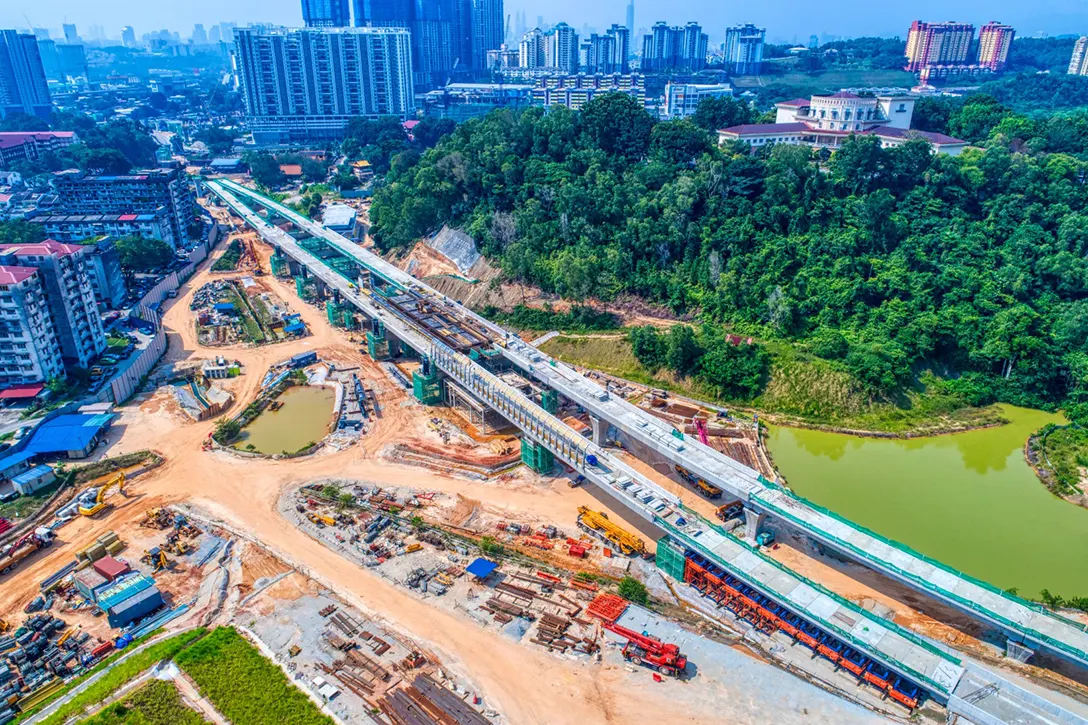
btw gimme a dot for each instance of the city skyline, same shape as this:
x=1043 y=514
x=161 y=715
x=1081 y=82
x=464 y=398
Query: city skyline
x=785 y=20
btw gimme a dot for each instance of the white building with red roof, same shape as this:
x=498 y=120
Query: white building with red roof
x=18 y=147
x=29 y=348
x=827 y=121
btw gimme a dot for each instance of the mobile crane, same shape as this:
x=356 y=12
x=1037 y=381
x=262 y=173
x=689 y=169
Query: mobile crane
x=647 y=651
x=598 y=524
x=94 y=500
x=10 y=557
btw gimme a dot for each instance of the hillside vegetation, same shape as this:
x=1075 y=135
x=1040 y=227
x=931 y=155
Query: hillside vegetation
x=883 y=262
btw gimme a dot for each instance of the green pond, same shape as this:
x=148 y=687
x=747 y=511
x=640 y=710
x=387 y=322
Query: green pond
x=304 y=418
x=968 y=500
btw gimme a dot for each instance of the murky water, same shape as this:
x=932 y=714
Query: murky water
x=969 y=500
x=304 y=418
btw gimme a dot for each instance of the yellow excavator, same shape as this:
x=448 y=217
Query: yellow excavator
x=94 y=500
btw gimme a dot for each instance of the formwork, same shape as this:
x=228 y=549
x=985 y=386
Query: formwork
x=536 y=456
x=427 y=387
x=670 y=558
x=377 y=346
x=549 y=401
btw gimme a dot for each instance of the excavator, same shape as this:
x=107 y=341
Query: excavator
x=94 y=500
x=647 y=651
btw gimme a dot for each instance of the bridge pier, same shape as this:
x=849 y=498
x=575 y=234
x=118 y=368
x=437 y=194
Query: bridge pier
x=1017 y=651
x=600 y=430
x=753 y=522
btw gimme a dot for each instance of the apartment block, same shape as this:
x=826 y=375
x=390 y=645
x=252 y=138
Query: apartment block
x=80 y=227
x=994 y=42
x=16 y=147
x=938 y=44
x=575 y=91
x=1078 y=64
x=103 y=265
x=682 y=99
x=744 y=49
x=23 y=87
x=29 y=349
x=145 y=192
x=62 y=269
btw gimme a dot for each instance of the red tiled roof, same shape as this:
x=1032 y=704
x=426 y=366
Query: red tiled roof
x=757 y=129
x=909 y=133
x=21 y=392
x=795 y=103
x=291 y=169
x=49 y=247
x=12 y=139
x=410 y=124
x=15 y=275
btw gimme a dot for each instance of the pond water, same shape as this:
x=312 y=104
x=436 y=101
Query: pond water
x=304 y=418
x=968 y=500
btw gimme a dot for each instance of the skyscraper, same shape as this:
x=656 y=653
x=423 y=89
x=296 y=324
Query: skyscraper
x=487 y=30
x=325 y=13
x=200 y=36
x=561 y=48
x=994 y=41
x=531 y=50
x=71 y=35
x=439 y=36
x=307 y=83
x=630 y=19
x=932 y=44
x=128 y=37
x=23 y=88
x=678 y=47
x=744 y=49
x=621 y=47
x=1078 y=64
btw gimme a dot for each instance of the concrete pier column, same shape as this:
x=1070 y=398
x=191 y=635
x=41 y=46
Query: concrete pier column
x=753 y=522
x=1017 y=651
x=600 y=430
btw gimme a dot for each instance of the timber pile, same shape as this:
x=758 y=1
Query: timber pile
x=425 y=702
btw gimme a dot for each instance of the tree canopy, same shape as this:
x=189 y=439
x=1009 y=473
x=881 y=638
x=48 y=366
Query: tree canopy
x=142 y=254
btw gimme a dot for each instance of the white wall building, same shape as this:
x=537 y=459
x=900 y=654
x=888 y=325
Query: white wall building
x=681 y=99
x=29 y=349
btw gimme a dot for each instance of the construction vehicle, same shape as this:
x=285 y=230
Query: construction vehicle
x=328 y=520
x=596 y=524
x=10 y=556
x=316 y=520
x=156 y=518
x=700 y=429
x=729 y=511
x=707 y=489
x=94 y=500
x=647 y=651
x=156 y=558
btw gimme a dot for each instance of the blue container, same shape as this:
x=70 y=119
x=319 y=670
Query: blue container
x=135 y=607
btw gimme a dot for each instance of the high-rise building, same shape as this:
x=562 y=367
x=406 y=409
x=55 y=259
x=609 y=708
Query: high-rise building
x=600 y=53
x=325 y=13
x=621 y=46
x=68 y=294
x=744 y=49
x=200 y=36
x=41 y=33
x=307 y=83
x=23 y=88
x=440 y=33
x=487 y=29
x=62 y=61
x=682 y=99
x=531 y=50
x=144 y=192
x=561 y=48
x=994 y=41
x=1078 y=64
x=630 y=20
x=29 y=349
x=938 y=44
x=128 y=37
x=214 y=35
x=678 y=47
x=71 y=35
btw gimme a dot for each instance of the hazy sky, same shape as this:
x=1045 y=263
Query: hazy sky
x=785 y=19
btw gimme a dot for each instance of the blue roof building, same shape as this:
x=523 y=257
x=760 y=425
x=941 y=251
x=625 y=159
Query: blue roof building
x=481 y=568
x=73 y=435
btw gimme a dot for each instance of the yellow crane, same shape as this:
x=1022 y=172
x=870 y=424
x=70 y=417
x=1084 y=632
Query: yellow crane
x=598 y=524
x=94 y=500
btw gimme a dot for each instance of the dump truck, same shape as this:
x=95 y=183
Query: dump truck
x=12 y=555
x=647 y=651
x=596 y=523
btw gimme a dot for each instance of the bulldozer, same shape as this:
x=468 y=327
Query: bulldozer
x=93 y=500
x=156 y=558
x=156 y=518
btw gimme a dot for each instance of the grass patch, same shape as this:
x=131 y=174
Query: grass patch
x=118 y=342
x=108 y=465
x=115 y=678
x=249 y=324
x=578 y=319
x=156 y=703
x=25 y=506
x=1064 y=452
x=228 y=262
x=245 y=686
x=801 y=387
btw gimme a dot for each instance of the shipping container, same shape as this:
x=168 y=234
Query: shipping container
x=135 y=607
x=122 y=589
x=88 y=582
x=111 y=568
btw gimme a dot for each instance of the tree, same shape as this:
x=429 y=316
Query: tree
x=678 y=142
x=430 y=130
x=647 y=346
x=633 y=590
x=682 y=351
x=110 y=162
x=226 y=430
x=265 y=169
x=142 y=254
x=219 y=140
x=735 y=371
x=19 y=122
x=18 y=231
x=617 y=124
x=717 y=112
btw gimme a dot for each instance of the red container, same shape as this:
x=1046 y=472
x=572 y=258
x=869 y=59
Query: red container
x=110 y=568
x=101 y=649
x=578 y=552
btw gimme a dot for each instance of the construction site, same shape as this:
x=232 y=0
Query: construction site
x=474 y=553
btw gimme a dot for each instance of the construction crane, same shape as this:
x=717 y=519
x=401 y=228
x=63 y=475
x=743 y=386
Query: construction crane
x=700 y=428
x=24 y=547
x=647 y=651
x=597 y=524
x=94 y=500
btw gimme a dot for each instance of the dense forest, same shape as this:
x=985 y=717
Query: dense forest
x=892 y=261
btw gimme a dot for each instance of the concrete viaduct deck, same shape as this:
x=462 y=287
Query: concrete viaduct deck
x=1027 y=625
x=933 y=668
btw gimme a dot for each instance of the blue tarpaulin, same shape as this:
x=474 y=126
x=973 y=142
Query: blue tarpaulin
x=481 y=568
